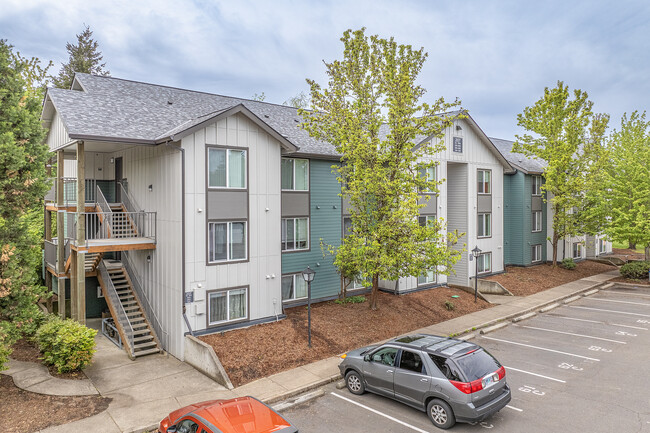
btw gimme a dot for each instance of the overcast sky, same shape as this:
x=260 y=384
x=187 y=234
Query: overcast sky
x=495 y=56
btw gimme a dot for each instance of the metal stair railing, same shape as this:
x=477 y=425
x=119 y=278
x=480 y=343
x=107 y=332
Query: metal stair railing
x=107 y=219
x=121 y=318
x=137 y=286
x=131 y=206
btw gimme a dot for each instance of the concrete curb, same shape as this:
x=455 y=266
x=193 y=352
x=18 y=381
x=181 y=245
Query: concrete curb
x=298 y=400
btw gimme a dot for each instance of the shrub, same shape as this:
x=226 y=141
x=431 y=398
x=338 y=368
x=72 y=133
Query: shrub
x=450 y=305
x=635 y=270
x=351 y=300
x=569 y=264
x=5 y=344
x=66 y=344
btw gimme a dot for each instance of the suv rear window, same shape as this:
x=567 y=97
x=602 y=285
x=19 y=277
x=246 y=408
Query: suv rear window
x=446 y=367
x=477 y=364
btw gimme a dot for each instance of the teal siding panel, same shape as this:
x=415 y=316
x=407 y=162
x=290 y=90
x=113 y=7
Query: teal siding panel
x=513 y=218
x=537 y=238
x=325 y=225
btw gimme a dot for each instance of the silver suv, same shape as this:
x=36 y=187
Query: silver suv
x=452 y=380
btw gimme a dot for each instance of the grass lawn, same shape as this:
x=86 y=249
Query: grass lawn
x=624 y=245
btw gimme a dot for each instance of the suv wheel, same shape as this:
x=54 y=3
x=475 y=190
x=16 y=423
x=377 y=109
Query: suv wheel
x=440 y=414
x=354 y=383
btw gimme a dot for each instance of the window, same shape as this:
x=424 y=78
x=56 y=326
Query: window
x=426 y=220
x=485 y=262
x=226 y=241
x=385 y=356
x=577 y=250
x=429 y=277
x=602 y=246
x=226 y=168
x=411 y=361
x=537 y=185
x=347 y=226
x=187 y=426
x=537 y=221
x=484 y=182
x=536 y=253
x=429 y=174
x=293 y=287
x=227 y=305
x=484 y=225
x=295 y=174
x=295 y=234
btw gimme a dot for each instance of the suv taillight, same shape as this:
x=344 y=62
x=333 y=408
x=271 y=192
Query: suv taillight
x=502 y=373
x=468 y=387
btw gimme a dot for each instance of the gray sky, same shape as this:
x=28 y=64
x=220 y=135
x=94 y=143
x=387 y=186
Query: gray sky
x=496 y=56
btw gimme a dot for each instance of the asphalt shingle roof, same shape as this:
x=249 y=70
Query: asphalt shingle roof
x=519 y=160
x=129 y=110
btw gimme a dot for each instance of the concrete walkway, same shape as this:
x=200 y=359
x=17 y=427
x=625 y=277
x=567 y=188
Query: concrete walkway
x=146 y=390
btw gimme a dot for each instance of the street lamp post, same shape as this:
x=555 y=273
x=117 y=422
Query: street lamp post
x=476 y=252
x=308 y=275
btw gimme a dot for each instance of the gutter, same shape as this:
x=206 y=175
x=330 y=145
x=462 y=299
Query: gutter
x=180 y=149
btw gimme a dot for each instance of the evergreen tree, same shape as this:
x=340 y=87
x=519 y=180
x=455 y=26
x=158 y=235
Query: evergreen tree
x=23 y=183
x=84 y=57
x=371 y=90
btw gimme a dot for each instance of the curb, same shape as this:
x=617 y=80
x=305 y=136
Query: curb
x=301 y=390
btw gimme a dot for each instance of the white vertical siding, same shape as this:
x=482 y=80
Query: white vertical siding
x=160 y=167
x=57 y=136
x=264 y=154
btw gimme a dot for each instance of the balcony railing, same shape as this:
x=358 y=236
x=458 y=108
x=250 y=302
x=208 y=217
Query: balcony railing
x=119 y=225
x=108 y=188
x=50 y=247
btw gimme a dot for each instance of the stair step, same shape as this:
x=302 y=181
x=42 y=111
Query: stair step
x=138 y=326
x=121 y=286
x=146 y=352
x=134 y=314
x=143 y=338
x=131 y=308
x=128 y=303
x=143 y=345
x=141 y=331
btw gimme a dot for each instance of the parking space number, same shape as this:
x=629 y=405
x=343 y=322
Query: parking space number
x=530 y=389
x=599 y=349
x=568 y=366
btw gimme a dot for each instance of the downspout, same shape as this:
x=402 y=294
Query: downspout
x=187 y=322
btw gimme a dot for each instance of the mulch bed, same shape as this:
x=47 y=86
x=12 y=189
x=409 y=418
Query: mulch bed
x=25 y=350
x=530 y=280
x=24 y=412
x=262 y=350
x=624 y=253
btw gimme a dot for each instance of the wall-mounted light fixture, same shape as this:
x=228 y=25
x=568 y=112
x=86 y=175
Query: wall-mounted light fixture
x=112 y=160
x=148 y=259
x=150 y=188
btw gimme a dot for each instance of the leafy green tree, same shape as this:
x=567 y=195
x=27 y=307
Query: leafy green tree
x=259 y=97
x=301 y=100
x=371 y=112
x=84 y=57
x=23 y=183
x=568 y=136
x=626 y=192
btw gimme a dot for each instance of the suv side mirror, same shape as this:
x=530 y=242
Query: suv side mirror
x=366 y=358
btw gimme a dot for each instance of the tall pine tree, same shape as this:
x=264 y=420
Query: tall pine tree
x=84 y=57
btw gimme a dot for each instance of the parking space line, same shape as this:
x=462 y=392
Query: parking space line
x=515 y=408
x=595 y=321
x=626 y=294
x=379 y=413
x=620 y=302
x=629 y=326
x=534 y=374
x=609 y=311
x=541 y=348
x=575 y=335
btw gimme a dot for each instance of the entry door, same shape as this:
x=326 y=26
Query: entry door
x=118 y=178
x=380 y=370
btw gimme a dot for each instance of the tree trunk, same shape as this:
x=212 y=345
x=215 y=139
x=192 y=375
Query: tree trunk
x=374 y=293
x=554 y=243
x=342 y=292
x=631 y=245
x=647 y=253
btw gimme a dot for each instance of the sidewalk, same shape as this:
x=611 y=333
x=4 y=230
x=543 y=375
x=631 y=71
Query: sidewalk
x=146 y=390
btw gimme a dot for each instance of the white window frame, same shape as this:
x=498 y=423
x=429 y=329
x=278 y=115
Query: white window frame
x=293 y=282
x=228 y=319
x=295 y=228
x=537 y=222
x=431 y=277
x=573 y=250
x=427 y=219
x=536 y=253
x=293 y=167
x=489 y=182
x=430 y=175
x=481 y=263
x=484 y=225
x=537 y=185
x=228 y=239
x=228 y=150
x=602 y=246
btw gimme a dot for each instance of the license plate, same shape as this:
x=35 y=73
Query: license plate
x=490 y=380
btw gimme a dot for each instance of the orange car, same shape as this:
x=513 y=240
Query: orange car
x=238 y=415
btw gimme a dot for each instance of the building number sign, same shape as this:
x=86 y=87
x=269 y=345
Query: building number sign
x=458 y=144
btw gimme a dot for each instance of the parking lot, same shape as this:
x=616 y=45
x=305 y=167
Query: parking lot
x=580 y=367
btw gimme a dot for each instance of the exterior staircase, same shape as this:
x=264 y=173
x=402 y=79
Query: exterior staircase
x=137 y=334
x=122 y=226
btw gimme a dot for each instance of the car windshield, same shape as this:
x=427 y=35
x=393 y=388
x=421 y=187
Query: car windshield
x=477 y=364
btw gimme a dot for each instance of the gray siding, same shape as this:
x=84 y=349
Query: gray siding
x=457 y=216
x=223 y=205
x=295 y=204
x=57 y=135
